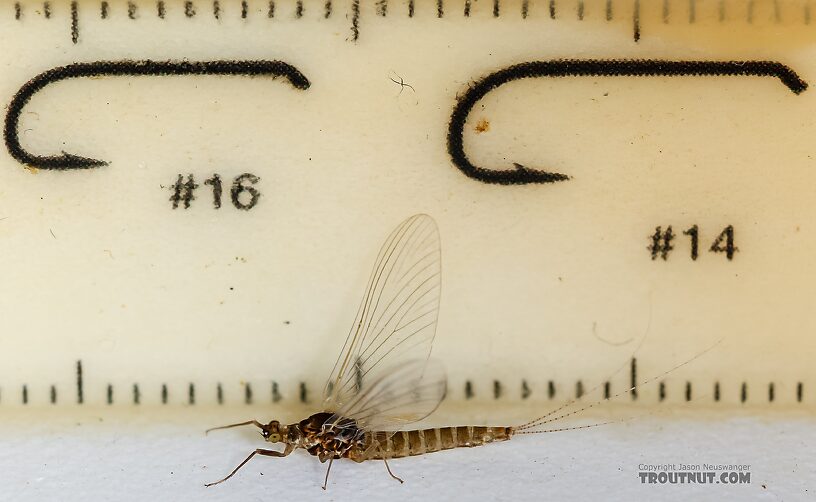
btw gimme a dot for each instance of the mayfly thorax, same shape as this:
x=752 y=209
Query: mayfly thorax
x=383 y=379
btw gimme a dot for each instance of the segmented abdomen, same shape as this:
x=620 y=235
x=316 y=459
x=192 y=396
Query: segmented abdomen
x=419 y=442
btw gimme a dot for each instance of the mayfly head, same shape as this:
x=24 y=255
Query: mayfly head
x=272 y=432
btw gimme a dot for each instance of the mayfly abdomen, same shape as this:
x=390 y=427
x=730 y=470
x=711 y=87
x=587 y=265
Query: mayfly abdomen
x=419 y=442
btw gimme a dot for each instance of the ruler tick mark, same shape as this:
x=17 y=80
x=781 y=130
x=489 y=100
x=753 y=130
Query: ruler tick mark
x=799 y=392
x=248 y=393
x=328 y=9
x=132 y=10
x=607 y=389
x=53 y=394
x=636 y=21
x=744 y=392
x=495 y=8
x=440 y=8
x=299 y=9
x=525 y=8
x=79 y=383
x=74 y=23
x=716 y=391
x=410 y=8
x=382 y=8
x=304 y=395
x=497 y=389
x=355 y=20
x=47 y=10
x=609 y=11
x=468 y=389
x=25 y=394
x=633 y=378
x=164 y=393
x=552 y=9
x=579 y=389
x=136 y=394
x=270 y=13
x=550 y=389
x=191 y=394
x=18 y=11
x=661 y=392
x=580 y=10
x=275 y=392
x=189 y=9
x=110 y=394
x=244 y=9
x=525 y=389
x=219 y=393
x=217 y=9
x=771 y=392
x=467 y=8
x=103 y=10
x=688 y=391
x=160 y=10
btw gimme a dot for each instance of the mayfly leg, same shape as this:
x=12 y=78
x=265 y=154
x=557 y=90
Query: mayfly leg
x=328 y=470
x=389 y=471
x=381 y=452
x=260 y=451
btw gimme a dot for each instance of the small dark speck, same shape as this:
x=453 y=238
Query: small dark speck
x=287 y=322
x=52 y=233
x=231 y=289
x=606 y=94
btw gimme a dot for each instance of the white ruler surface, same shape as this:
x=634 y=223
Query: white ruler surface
x=192 y=195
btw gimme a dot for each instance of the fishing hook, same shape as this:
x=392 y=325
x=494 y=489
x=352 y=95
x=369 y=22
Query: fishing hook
x=252 y=68
x=523 y=175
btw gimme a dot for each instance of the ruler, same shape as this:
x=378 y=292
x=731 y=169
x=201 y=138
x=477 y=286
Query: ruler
x=193 y=194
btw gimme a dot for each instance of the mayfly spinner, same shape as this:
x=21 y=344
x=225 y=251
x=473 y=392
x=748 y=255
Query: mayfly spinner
x=383 y=379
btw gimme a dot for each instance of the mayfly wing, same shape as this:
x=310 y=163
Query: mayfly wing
x=386 y=351
x=403 y=394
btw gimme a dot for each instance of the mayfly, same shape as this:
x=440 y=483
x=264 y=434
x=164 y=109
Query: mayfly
x=383 y=379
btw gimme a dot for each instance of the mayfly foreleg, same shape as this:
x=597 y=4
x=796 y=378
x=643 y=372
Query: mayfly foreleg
x=230 y=426
x=260 y=451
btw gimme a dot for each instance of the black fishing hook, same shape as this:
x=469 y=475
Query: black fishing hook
x=523 y=175
x=125 y=68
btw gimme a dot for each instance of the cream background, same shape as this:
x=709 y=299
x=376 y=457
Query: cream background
x=141 y=293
